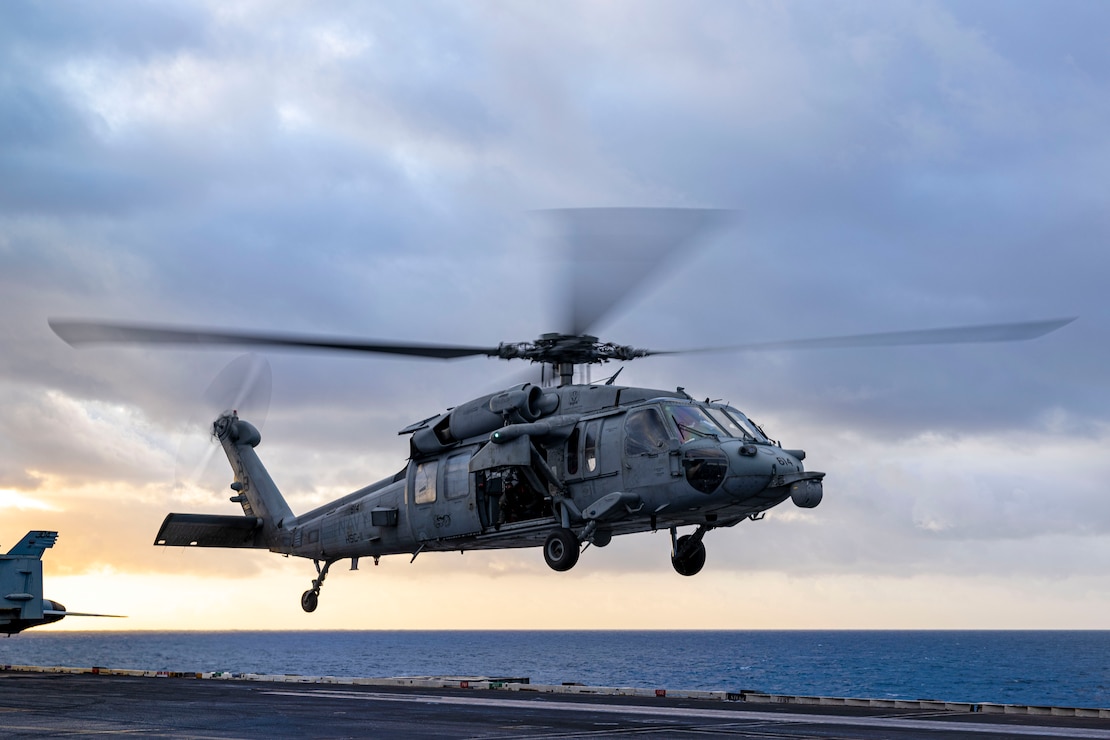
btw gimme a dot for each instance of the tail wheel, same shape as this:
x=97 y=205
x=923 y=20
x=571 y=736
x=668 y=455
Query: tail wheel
x=689 y=558
x=561 y=550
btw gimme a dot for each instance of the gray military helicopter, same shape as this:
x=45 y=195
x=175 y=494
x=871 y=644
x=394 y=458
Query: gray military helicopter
x=22 y=605
x=557 y=464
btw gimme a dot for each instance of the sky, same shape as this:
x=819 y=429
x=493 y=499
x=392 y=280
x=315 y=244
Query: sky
x=374 y=170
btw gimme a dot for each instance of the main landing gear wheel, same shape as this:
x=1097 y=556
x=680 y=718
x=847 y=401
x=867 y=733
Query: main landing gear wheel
x=310 y=599
x=689 y=557
x=561 y=550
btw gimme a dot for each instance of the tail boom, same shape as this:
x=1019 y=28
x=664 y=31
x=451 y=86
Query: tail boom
x=256 y=491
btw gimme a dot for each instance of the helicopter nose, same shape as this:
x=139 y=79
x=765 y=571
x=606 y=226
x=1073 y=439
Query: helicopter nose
x=742 y=470
x=753 y=468
x=766 y=474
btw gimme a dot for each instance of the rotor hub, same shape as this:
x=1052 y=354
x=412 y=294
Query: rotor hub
x=569 y=349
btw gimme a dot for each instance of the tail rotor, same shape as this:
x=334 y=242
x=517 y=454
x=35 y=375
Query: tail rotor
x=244 y=385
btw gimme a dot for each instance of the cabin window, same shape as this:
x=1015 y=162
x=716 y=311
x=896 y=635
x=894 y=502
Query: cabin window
x=424 y=483
x=644 y=432
x=572 y=452
x=589 y=450
x=456 y=476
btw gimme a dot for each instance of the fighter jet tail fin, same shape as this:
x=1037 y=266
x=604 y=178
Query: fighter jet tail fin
x=34 y=544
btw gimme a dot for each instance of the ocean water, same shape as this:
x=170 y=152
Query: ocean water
x=1069 y=668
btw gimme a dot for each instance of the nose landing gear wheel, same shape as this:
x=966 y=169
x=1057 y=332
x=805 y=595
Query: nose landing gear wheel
x=309 y=600
x=561 y=550
x=689 y=557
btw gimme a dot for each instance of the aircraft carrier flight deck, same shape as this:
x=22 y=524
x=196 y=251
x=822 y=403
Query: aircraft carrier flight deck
x=39 y=702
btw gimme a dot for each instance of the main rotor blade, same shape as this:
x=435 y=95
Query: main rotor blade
x=78 y=332
x=1012 y=332
x=612 y=251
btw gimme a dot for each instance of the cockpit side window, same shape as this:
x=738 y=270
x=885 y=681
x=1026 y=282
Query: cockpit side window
x=644 y=432
x=694 y=423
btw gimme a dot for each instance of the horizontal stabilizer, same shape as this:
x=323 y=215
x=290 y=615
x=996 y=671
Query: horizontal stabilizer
x=34 y=544
x=210 y=530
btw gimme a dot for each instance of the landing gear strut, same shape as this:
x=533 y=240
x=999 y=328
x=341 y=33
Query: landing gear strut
x=311 y=598
x=688 y=552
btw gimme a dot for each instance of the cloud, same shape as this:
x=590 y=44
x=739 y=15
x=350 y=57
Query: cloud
x=370 y=171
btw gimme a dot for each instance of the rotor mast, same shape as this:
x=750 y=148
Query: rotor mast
x=566 y=373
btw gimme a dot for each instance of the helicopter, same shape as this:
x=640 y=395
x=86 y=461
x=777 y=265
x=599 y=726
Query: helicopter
x=557 y=464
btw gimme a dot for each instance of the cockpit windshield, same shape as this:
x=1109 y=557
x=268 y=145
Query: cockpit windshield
x=736 y=424
x=694 y=423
